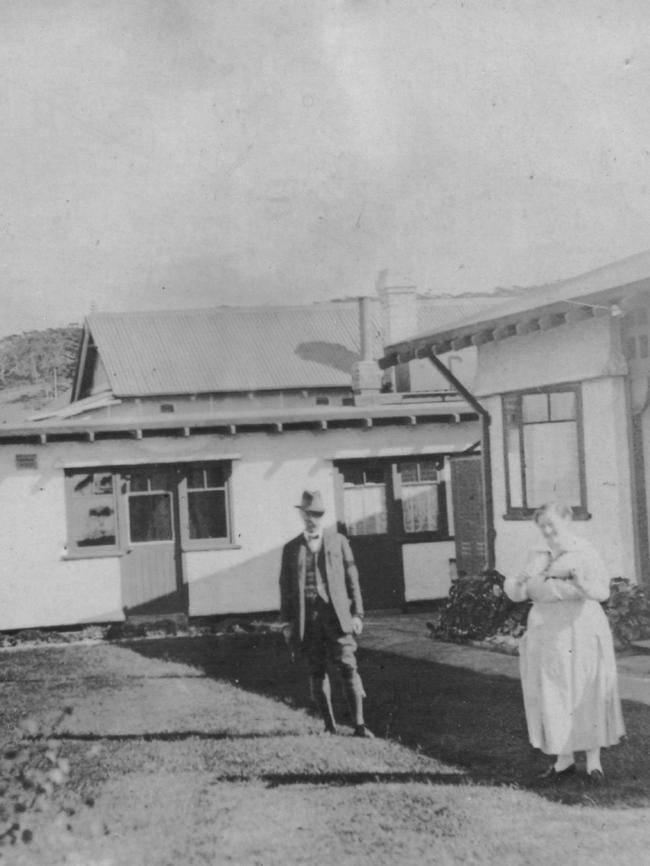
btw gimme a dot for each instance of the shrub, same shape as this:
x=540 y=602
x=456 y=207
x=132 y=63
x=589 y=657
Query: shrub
x=478 y=607
x=35 y=796
x=628 y=611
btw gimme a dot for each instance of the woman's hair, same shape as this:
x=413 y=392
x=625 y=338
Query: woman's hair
x=561 y=509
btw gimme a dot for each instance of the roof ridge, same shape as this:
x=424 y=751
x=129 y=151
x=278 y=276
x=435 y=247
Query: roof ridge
x=237 y=309
x=314 y=306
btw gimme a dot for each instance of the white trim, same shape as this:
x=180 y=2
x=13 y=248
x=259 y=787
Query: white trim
x=404 y=451
x=147 y=460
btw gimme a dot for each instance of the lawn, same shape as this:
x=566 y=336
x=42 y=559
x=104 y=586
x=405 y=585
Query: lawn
x=204 y=750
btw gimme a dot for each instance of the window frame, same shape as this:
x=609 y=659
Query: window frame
x=393 y=486
x=441 y=483
x=192 y=544
x=365 y=466
x=179 y=501
x=73 y=550
x=525 y=511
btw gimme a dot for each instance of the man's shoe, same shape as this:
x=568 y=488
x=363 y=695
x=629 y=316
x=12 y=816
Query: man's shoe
x=363 y=731
x=552 y=776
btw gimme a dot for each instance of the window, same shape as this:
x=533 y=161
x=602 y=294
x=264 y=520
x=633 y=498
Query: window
x=543 y=450
x=404 y=498
x=420 y=489
x=110 y=510
x=92 y=512
x=150 y=505
x=364 y=497
x=205 y=508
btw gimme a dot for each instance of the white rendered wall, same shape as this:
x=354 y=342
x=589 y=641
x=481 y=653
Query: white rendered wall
x=565 y=354
x=569 y=353
x=427 y=571
x=268 y=481
x=39 y=586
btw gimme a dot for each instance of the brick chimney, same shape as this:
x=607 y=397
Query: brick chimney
x=366 y=375
x=398 y=298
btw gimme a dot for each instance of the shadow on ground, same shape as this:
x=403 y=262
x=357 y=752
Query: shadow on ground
x=471 y=720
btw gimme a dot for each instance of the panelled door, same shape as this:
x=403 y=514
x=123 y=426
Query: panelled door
x=151 y=572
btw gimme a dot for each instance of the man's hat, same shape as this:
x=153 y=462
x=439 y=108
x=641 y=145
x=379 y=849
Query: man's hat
x=312 y=501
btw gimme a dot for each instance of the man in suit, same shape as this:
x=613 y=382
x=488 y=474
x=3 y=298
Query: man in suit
x=322 y=609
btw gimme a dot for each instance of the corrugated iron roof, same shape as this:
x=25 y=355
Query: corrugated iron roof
x=222 y=349
x=230 y=348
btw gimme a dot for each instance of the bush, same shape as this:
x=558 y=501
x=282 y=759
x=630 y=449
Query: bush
x=628 y=611
x=36 y=799
x=478 y=607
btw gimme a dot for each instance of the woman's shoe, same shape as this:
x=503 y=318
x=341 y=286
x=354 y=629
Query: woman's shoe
x=551 y=775
x=596 y=777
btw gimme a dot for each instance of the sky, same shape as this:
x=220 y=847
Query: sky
x=185 y=153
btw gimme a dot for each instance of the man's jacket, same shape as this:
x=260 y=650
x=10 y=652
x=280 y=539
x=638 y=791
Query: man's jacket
x=339 y=572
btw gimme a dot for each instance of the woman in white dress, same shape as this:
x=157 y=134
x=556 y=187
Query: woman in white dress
x=568 y=668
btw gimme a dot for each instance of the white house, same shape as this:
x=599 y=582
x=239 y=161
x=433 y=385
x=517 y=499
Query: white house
x=167 y=485
x=562 y=386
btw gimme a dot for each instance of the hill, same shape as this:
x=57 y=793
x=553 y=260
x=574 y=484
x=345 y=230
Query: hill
x=35 y=368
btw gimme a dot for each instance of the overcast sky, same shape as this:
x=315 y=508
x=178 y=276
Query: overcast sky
x=175 y=153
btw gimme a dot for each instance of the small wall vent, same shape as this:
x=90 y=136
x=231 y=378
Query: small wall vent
x=26 y=461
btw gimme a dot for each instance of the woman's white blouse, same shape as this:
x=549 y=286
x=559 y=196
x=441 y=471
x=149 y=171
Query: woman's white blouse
x=575 y=574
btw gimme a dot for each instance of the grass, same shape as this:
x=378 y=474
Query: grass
x=203 y=750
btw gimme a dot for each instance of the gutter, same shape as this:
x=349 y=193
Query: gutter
x=486 y=453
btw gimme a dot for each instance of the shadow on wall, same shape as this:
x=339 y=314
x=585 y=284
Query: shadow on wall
x=251 y=585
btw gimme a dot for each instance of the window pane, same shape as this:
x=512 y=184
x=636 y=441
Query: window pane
x=428 y=470
x=150 y=517
x=195 y=479
x=103 y=483
x=374 y=475
x=352 y=474
x=408 y=472
x=139 y=481
x=207 y=514
x=552 y=463
x=93 y=483
x=534 y=408
x=563 y=406
x=93 y=520
x=160 y=480
x=365 y=510
x=215 y=476
x=420 y=507
x=514 y=467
